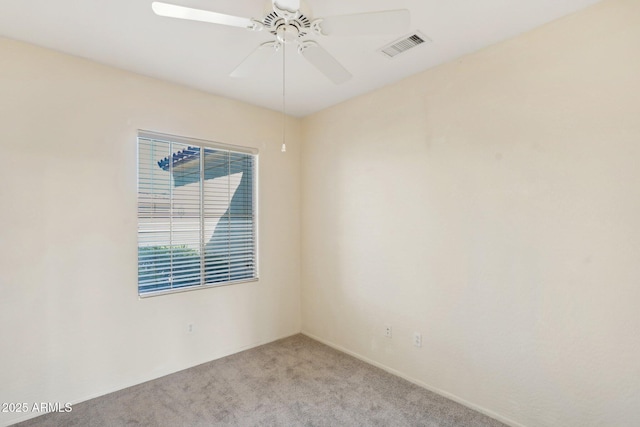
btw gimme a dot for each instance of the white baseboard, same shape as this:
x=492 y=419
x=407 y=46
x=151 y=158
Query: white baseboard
x=436 y=390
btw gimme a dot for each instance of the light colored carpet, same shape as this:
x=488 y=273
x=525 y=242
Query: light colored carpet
x=296 y=381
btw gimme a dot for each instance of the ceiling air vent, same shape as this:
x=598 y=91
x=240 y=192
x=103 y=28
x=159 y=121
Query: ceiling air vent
x=404 y=44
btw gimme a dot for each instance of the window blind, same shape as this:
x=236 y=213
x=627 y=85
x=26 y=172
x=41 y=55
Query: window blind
x=196 y=214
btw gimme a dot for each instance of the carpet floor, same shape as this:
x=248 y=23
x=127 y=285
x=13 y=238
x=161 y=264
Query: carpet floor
x=295 y=381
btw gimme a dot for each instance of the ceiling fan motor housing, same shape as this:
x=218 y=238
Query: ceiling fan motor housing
x=286 y=25
x=287 y=31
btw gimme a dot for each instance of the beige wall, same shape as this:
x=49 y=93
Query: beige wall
x=71 y=324
x=492 y=204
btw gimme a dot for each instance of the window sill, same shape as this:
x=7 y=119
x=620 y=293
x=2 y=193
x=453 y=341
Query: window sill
x=195 y=288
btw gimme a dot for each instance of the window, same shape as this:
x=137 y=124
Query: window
x=196 y=214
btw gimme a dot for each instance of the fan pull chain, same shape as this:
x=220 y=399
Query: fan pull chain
x=284 y=103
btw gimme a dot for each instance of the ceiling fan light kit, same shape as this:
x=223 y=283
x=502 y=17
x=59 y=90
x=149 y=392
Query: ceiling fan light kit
x=287 y=21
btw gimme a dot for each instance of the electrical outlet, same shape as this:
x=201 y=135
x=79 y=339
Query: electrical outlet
x=417 y=339
x=190 y=328
x=387 y=331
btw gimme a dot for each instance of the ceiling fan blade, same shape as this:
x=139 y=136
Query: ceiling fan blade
x=325 y=62
x=288 y=5
x=372 y=23
x=182 y=12
x=254 y=60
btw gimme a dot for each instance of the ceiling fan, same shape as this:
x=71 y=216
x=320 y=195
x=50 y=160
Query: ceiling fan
x=288 y=22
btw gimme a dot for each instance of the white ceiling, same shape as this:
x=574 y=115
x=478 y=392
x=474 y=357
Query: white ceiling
x=128 y=35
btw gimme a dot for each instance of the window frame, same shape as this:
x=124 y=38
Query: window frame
x=205 y=144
